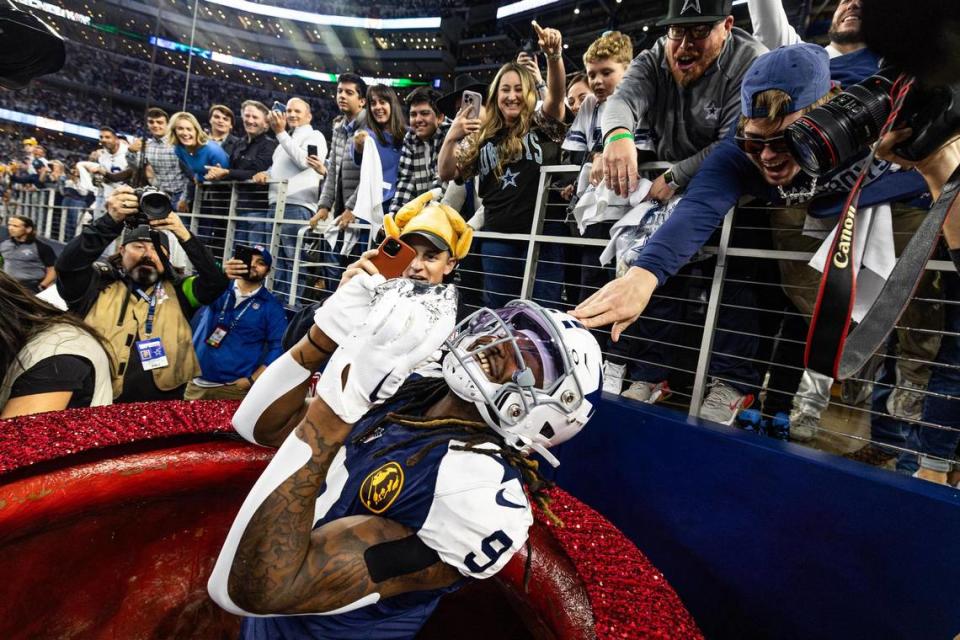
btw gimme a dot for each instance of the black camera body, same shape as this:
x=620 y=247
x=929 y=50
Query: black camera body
x=154 y=204
x=832 y=135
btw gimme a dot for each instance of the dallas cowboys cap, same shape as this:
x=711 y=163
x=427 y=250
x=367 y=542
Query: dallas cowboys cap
x=695 y=12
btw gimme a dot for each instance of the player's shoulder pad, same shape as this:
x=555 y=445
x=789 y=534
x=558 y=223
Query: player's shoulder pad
x=479 y=516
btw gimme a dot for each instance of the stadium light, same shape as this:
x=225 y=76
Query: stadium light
x=334 y=21
x=267 y=67
x=514 y=8
x=48 y=123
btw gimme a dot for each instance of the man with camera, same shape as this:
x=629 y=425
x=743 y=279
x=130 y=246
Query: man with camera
x=240 y=333
x=135 y=299
x=758 y=162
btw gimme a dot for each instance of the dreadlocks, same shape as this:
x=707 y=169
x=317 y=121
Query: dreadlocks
x=414 y=398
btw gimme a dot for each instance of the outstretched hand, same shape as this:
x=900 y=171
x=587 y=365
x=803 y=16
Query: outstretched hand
x=619 y=302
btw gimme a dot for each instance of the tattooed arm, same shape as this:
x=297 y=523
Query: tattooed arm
x=283 y=566
x=288 y=410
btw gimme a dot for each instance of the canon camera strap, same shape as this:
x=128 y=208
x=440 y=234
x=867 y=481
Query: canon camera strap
x=829 y=350
x=868 y=336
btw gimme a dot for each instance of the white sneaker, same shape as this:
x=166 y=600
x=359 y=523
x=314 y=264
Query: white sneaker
x=724 y=402
x=649 y=392
x=803 y=425
x=613 y=374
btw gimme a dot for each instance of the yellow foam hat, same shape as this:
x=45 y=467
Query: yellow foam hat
x=30 y=141
x=435 y=221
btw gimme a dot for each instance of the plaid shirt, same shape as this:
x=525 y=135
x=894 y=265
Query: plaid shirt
x=417 y=171
x=166 y=166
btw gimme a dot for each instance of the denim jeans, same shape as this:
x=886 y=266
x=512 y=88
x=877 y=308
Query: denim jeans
x=283 y=267
x=74 y=207
x=944 y=381
x=652 y=347
x=503 y=264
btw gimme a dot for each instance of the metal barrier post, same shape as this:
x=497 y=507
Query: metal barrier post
x=710 y=321
x=278 y=214
x=533 y=247
x=195 y=212
x=51 y=200
x=231 y=223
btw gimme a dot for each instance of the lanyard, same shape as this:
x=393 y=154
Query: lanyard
x=233 y=323
x=151 y=309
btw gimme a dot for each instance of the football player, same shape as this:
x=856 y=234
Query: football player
x=369 y=512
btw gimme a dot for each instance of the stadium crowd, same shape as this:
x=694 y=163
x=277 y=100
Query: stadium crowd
x=708 y=98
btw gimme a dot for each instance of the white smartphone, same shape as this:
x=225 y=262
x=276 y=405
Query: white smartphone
x=474 y=101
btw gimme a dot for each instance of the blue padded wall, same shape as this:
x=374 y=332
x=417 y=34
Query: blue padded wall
x=764 y=539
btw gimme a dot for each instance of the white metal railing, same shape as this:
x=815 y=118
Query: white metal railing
x=224 y=212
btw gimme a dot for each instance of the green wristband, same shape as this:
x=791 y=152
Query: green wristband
x=618 y=136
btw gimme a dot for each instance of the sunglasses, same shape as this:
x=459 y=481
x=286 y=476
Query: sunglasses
x=754 y=146
x=692 y=32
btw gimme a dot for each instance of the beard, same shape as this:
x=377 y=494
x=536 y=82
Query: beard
x=687 y=77
x=144 y=274
x=255 y=278
x=844 y=37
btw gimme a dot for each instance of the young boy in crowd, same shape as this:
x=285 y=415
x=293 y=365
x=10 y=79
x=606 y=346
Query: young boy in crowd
x=606 y=60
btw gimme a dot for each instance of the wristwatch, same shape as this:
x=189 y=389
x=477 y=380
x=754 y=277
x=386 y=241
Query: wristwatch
x=668 y=178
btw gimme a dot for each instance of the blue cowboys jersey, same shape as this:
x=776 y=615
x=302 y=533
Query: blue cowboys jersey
x=468 y=507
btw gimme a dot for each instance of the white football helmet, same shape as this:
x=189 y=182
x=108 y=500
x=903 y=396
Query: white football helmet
x=555 y=387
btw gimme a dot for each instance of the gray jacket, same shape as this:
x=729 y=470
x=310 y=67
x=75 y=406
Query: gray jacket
x=686 y=122
x=343 y=174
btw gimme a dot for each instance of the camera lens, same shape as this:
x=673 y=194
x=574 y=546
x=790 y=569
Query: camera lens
x=391 y=247
x=155 y=204
x=831 y=135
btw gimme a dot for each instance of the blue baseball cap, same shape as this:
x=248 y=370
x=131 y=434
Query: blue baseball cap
x=264 y=253
x=802 y=71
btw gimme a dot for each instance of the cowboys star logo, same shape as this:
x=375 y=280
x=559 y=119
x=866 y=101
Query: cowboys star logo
x=712 y=111
x=690 y=4
x=381 y=488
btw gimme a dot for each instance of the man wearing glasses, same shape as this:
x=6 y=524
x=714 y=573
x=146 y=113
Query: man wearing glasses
x=686 y=87
x=779 y=88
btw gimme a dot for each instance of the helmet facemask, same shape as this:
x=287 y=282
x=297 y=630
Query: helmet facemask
x=542 y=396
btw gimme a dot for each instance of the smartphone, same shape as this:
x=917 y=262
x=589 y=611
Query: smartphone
x=312 y=150
x=244 y=254
x=474 y=101
x=279 y=106
x=393 y=257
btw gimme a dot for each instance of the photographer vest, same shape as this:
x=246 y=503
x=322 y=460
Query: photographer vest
x=122 y=326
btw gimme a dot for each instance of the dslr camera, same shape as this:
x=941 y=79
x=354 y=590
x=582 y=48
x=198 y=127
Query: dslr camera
x=154 y=204
x=837 y=132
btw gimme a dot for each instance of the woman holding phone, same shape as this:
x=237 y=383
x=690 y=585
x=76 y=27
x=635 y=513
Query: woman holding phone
x=506 y=148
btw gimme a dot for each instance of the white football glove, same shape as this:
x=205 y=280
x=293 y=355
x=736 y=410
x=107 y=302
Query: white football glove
x=405 y=323
x=346 y=309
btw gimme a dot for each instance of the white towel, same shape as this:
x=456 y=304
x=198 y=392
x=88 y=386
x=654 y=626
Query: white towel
x=633 y=231
x=874 y=255
x=332 y=233
x=600 y=204
x=369 y=205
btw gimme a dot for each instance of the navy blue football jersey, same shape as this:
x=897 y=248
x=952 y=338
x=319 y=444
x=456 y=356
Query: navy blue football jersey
x=468 y=507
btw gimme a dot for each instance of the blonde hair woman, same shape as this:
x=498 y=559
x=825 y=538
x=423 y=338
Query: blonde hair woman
x=194 y=147
x=505 y=150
